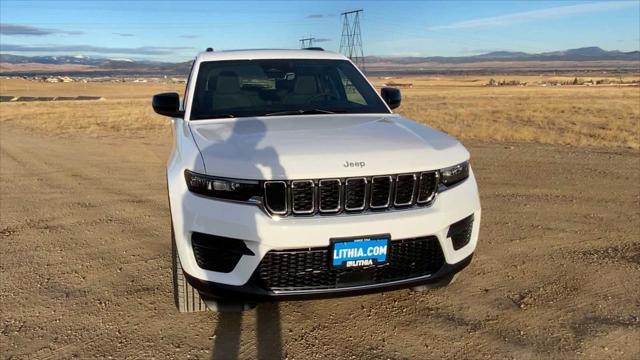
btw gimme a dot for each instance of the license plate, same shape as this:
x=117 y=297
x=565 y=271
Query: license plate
x=359 y=251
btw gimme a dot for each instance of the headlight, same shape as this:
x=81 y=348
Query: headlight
x=222 y=188
x=454 y=174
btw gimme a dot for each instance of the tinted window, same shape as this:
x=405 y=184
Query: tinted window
x=263 y=87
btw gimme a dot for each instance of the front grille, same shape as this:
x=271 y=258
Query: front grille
x=308 y=269
x=352 y=195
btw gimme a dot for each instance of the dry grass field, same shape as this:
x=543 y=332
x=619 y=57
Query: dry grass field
x=464 y=107
x=85 y=235
x=569 y=115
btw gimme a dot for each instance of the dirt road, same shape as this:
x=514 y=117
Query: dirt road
x=85 y=267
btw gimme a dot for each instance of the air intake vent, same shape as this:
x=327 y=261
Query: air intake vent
x=380 y=192
x=460 y=232
x=307 y=269
x=217 y=253
x=428 y=187
x=275 y=193
x=355 y=194
x=330 y=195
x=405 y=188
x=302 y=197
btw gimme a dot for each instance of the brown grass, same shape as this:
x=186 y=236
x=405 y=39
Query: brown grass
x=462 y=106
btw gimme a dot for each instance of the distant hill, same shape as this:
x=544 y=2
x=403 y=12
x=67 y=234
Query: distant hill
x=581 y=54
x=51 y=60
x=97 y=66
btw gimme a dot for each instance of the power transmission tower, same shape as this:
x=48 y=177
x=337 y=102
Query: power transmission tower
x=306 y=42
x=351 y=40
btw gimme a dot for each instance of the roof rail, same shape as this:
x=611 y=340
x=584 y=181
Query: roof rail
x=314 y=48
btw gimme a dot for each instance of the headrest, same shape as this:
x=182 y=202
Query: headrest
x=305 y=84
x=228 y=82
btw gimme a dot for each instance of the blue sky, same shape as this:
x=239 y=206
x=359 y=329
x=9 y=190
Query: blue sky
x=175 y=31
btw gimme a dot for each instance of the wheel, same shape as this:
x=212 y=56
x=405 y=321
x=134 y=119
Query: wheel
x=186 y=298
x=446 y=281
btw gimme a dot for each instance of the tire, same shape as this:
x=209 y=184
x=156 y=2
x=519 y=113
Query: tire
x=186 y=298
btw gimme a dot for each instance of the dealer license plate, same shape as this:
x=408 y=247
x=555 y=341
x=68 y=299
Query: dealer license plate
x=360 y=251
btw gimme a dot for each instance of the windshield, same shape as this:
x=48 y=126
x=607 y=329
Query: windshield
x=241 y=88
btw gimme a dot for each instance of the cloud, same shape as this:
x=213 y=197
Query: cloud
x=13 y=29
x=320 y=16
x=145 y=50
x=124 y=34
x=542 y=14
x=189 y=36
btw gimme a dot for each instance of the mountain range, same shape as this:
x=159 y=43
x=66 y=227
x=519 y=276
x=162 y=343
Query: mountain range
x=592 y=53
x=17 y=64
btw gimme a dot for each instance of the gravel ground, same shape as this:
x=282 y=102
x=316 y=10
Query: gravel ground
x=85 y=265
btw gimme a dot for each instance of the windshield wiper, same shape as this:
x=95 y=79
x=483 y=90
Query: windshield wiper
x=300 y=112
x=223 y=116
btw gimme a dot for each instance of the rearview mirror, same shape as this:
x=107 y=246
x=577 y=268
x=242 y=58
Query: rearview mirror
x=167 y=104
x=391 y=96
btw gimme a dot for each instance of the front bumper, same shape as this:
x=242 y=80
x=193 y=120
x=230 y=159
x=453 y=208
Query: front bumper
x=262 y=233
x=250 y=292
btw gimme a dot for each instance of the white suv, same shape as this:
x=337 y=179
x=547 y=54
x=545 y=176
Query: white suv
x=291 y=178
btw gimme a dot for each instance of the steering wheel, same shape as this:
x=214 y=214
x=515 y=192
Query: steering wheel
x=329 y=96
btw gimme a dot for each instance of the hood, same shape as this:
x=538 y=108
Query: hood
x=322 y=146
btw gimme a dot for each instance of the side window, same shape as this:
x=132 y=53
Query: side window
x=353 y=95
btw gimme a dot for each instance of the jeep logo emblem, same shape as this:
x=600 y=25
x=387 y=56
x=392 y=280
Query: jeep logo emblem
x=359 y=164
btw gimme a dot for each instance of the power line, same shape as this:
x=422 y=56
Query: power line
x=307 y=42
x=351 y=40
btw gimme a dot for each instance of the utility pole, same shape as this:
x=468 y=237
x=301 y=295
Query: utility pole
x=351 y=40
x=306 y=42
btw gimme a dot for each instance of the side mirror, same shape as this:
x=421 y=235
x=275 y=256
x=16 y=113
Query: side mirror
x=167 y=104
x=391 y=96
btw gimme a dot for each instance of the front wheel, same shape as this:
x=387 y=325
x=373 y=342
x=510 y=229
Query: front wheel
x=186 y=298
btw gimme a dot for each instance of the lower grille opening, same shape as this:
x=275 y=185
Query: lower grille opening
x=217 y=253
x=307 y=269
x=460 y=232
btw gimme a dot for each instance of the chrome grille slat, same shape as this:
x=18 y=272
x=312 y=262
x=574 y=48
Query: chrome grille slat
x=351 y=195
